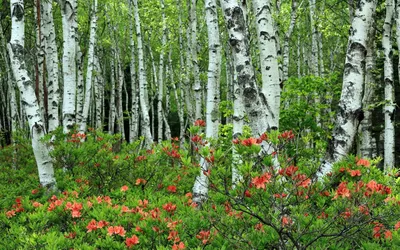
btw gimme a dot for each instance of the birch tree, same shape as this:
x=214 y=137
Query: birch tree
x=69 y=25
x=389 y=88
x=254 y=103
x=52 y=62
x=200 y=188
x=350 y=104
x=25 y=84
x=160 y=85
x=90 y=66
x=144 y=107
x=196 y=72
x=268 y=58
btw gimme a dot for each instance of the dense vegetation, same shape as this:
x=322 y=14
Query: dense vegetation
x=114 y=195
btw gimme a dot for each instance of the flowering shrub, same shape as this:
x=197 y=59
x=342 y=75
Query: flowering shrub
x=135 y=198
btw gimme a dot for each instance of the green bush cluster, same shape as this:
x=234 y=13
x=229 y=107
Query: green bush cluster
x=114 y=195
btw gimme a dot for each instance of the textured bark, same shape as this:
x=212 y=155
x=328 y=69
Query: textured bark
x=268 y=58
x=134 y=120
x=90 y=67
x=255 y=104
x=389 y=107
x=69 y=23
x=144 y=107
x=30 y=104
x=366 y=145
x=112 y=110
x=350 y=105
x=288 y=34
x=200 y=188
x=197 y=88
x=80 y=85
x=160 y=85
x=187 y=68
x=98 y=93
x=52 y=63
x=314 y=40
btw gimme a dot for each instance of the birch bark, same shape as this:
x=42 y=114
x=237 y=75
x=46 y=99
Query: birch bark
x=16 y=52
x=69 y=24
x=268 y=58
x=350 y=104
x=200 y=188
x=89 y=70
x=389 y=107
x=144 y=107
x=52 y=63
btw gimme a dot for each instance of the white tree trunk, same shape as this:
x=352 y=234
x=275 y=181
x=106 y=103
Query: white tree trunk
x=25 y=85
x=350 y=105
x=144 y=107
x=196 y=73
x=112 y=111
x=200 y=188
x=52 y=63
x=366 y=144
x=80 y=85
x=288 y=34
x=314 y=40
x=160 y=85
x=120 y=77
x=389 y=107
x=255 y=105
x=69 y=23
x=98 y=92
x=89 y=70
x=134 y=120
x=268 y=58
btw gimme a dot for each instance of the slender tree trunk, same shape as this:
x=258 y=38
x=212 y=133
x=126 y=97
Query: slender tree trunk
x=98 y=93
x=144 y=107
x=134 y=121
x=196 y=73
x=269 y=62
x=389 y=107
x=314 y=40
x=350 y=104
x=52 y=63
x=200 y=188
x=80 y=86
x=366 y=145
x=112 y=111
x=69 y=23
x=160 y=85
x=17 y=54
x=90 y=66
x=288 y=34
x=254 y=102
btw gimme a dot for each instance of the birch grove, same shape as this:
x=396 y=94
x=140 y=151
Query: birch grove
x=25 y=84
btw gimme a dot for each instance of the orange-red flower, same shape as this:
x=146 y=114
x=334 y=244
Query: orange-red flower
x=171 y=189
x=140 y=181
x=181 y=245
x=169 y=207
x=200 y=123
x=134 y=240
x=363 y=162
x=124 y=188
x=259 y=181
x=342 y=191
x=204 y=236
x=116 y=230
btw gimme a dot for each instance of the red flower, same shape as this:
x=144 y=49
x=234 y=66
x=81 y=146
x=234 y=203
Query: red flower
x=388 y=234
x=34 y=191
x=91 y=226
x=259 y=182
x=173 y=235
x=250 y=141
x=10 y=213
x=304 y=183
x=124 y=188
x=116 y=230
x=397 y=226
x=259 y=227
x=181 y=245
x=169 y=207
x=363 y=162
x=355 y=172
x=171 y=189
x=342 y=191
x=204 y=236
x=140 y=181
x=200 y=123
x=289 y=171
x=134 y=240
x=286 y=221
x=247 y=193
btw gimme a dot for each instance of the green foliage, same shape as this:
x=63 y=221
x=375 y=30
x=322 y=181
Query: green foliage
x=112 y=192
